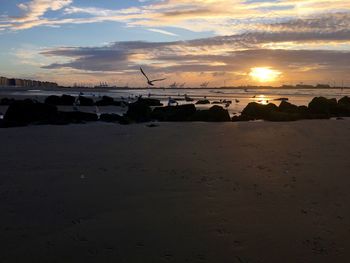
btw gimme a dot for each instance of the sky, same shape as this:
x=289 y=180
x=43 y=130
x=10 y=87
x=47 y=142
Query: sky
x=223 y=42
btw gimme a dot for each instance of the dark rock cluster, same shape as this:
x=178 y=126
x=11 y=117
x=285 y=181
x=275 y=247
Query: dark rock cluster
x=25 y=112
x=318 y=108
x=174 y=113
x=66 y=100
x=109 y=101
x=141 y=111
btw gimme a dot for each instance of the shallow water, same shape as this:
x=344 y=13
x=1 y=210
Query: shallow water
x=239 y=97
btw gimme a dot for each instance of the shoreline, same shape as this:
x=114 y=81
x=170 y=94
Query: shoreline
x=66 y=109
x=239 y=98
x=168 y=88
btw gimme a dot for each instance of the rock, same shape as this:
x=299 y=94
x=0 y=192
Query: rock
x=255 y=111
x=108 y=101
x=150 y=102
x=139 y=111
x=344 y=101
x=285 y=112
x=241 y=118
x=321 y=105
x=303 y=109
x=22 y=113
x=105 y=101
x=344 y=107
x=270 y=112
x=281 y=99
x=6 y=101
x=110 y=117
x=214 y=114
x=67 y=100
x=203 y=102
x=321 y=108
x=295 y=112
x=76 y=117
x=84 y=101
x=287 y=107
x=174 y=113
x=64 y=100
x=53 y=100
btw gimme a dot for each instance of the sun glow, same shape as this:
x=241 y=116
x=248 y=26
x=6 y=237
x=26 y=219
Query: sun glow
x=264 y=74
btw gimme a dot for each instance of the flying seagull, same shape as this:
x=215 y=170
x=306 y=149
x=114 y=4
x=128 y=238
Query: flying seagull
x=150 y=82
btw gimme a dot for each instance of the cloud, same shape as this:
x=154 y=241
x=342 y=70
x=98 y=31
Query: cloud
x=35 y=9
x=307 y=36
x=164 y=32
x=33 y=13
x=220 y=16
x=315 y=66
x=217 y=56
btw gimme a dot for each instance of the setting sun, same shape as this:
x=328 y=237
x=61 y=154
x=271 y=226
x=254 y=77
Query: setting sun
x=264 y=74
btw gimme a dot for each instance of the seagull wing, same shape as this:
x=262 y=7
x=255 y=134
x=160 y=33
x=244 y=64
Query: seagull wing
x=158 y=80
x=143 y=73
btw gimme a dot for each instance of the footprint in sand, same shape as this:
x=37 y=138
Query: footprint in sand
x=242 y=260
x=221 y=231
x=76 y=221
x=92 y=251
x=108 y=248
x=168 y=256
x=81 y=238
x=238 y=245
x=201 y=257
x=140 y=244
x=320 y=246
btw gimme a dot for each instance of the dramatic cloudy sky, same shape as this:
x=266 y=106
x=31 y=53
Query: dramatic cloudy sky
x=190 y=41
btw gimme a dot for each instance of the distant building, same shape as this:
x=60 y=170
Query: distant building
x=304 y=86
x=287 y=86
x=323 y=86
x=12 y=82
x=5 y=82
x=19 y=82
x=27 y=83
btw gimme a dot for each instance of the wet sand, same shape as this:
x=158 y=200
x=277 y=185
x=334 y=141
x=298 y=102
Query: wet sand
x=180 y=192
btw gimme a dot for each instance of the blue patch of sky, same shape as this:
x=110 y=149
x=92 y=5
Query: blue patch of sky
x=108 y=4
x=94 y=34
x=10 y=8
x=90 y=34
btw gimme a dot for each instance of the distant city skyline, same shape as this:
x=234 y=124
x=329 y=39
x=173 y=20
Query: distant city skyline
x=223 y=42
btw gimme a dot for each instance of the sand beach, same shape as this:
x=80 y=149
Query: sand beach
x=180 y=192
